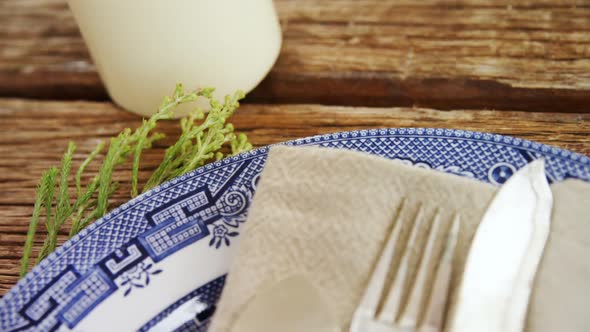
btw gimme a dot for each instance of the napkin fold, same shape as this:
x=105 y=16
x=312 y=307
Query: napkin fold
x=324 y=214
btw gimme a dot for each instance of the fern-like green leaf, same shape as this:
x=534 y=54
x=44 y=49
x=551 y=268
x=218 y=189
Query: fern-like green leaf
x=203 y=136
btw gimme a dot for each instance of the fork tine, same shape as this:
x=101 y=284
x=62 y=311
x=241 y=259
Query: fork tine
x=372 y=296
x=411 y=312
x=435 y=308
x=394 y=297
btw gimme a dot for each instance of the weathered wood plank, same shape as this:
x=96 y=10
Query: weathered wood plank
x=34 y=134
x=445 y=54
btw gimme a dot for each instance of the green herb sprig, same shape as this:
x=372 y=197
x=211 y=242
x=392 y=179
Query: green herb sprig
x=200 y=142
x=203 y=135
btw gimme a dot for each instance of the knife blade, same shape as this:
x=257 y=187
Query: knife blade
x=504 y=255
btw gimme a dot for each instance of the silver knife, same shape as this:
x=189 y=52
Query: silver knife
x=505 y=254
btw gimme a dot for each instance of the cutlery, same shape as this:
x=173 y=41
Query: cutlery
x=505 y=254
x=394 y=316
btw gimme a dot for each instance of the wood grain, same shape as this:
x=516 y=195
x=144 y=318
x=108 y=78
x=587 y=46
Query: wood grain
x=447 y=54
x=34 y=134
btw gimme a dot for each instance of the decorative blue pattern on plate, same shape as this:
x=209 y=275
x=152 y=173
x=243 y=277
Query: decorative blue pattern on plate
x=135 y=250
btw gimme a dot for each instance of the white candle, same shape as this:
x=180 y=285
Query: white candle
x=142 y=48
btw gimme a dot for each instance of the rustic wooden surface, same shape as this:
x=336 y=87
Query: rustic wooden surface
x=33 y=135
x=497 y=66
x=446 y=54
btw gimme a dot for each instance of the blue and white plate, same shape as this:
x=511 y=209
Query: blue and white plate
x=157 y=263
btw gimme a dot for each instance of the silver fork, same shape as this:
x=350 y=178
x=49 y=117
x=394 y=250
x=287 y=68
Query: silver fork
x=393 y=315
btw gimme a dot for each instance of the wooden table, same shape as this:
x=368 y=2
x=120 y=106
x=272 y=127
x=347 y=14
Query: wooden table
x=521 y=70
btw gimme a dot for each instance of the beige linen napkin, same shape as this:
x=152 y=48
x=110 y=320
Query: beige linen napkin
x=561 y=296
x=325 y=214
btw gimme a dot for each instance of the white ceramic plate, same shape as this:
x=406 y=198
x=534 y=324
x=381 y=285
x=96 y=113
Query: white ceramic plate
x=158 y=262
